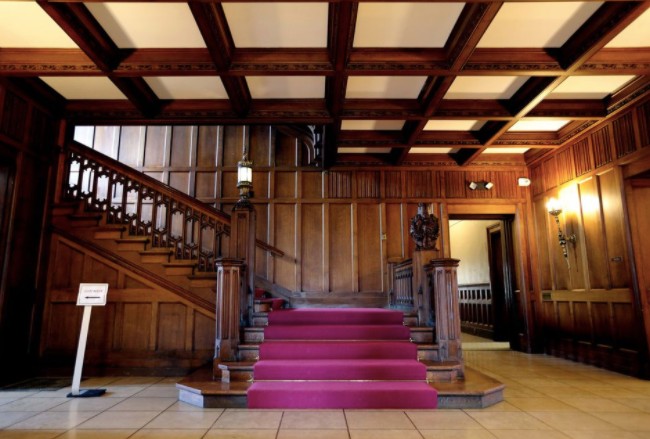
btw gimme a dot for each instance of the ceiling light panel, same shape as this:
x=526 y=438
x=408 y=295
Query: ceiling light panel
x=485 y=87
x=286 y=87
x=405 y=24
x=277 y=24
x=543 y=24
x=589 y=87
x=187 y=87
x=636 y=34
x=453 y=125
x=25 y=24
x=365 y=125
x=84 y=87
x=384 y=87
x=364 y=150
x=538 y=125
x=148 y=25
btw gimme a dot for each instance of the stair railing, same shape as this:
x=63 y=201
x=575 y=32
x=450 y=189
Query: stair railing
x=149 y=208
x=402 y=291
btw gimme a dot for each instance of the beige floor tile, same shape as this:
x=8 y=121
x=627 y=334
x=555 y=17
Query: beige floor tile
x=385 y=434
x=378 y=419
x=60 y=393
x=136 y=381
x=144 y=404
x=53 y=421
x=520 y=391
x=16 y=395
x=642 y=404
x=241 y=434
x=313 y=434
x=573 y=421
x=168 y=434
x=456 y=434
x=184 y=420
x=244 y=419
x=320 y=420
x=508 y=421
x=30 y=434
x=503 y=406
x=87 y=404
x=9 y=418
x=98 y=381
x=597 y=404
x=158 y=392
x=618 y=393
x=541 y=405
x=113 y=419
x=31 y=404
x=627 y=421
x=97 y=434
x=180 y=406
x=529 y=434
x=443 y=420
x=563 y=391
x=603 y=435
x=122 y=391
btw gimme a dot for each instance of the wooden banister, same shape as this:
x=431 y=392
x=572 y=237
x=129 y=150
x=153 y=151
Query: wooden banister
x=169 y=217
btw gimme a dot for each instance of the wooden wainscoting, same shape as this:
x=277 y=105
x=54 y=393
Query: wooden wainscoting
x=476 y=313
x=143 y=329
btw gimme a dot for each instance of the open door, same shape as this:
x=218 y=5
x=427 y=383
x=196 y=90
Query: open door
x=500 y=259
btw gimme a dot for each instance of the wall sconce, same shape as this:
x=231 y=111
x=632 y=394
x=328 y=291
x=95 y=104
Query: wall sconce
x=554 y=208
x=244 y=173
x=523 y=181
x=484 y=185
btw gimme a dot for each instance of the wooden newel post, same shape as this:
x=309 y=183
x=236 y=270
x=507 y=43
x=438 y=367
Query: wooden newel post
x=230 y=273
x=422 y=301
x=443 y=279
x=242 y=246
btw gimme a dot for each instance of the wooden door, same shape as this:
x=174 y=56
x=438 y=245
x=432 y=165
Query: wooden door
x=501 y=280
x=6 y=197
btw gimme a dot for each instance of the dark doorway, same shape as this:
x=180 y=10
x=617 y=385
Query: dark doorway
x=488 y=302
x=7 y=165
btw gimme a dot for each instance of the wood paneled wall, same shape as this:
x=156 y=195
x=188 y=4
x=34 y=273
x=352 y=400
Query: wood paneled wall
x=27 y=134
x=143 y=329
x=338 y=227
x=589 y=303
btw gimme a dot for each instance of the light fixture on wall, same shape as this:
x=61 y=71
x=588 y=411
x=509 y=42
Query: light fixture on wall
x=554 y=207
x=244 y=172
x=481 y=185
x=523 y=181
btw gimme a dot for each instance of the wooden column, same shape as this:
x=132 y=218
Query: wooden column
x=230 y=273
x=242 y=246
x=422 y=302
x=443 y=280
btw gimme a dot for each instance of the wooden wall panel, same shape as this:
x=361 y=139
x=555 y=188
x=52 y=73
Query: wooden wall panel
x=14 y=116
x=285 y=184
x=624 y=141
x=602 y=324
x=340 y=184
x=312 y=184
x=594 y=237
x=261 y=232
x=233 y=144
x=286 y=150
x=64 y=332
x=565 y=319
x=542 y=237
x=565 y=166
x=206 y=186
x=582 y=320
x=131 y=148
x=393 y=184
x=181 y=181
x=285 y=240
x=208 y=146
x=612 y=207
x=341 y=272
x=312 y=247
x=370 y=258
x=156 y=146
x=70 y=268
x=136 y=330
x=229 y=184
x=505 y=184
x=100 y=332
x=394 y=230
x=455 y=184
x=628 y=330
x=601 y=142
x=643 y=119
x=419 y=184
x=549 y=170
x=367 y=184
x=262 y=181
x=183 y=144
x=582 y=157
x=204 y=332
x=171 y=325
x=537 y=179
x=107 y=140
x=259 y=145
x=572 y=225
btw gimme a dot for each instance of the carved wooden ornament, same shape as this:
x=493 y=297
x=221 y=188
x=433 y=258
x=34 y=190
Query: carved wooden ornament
x=424 y=229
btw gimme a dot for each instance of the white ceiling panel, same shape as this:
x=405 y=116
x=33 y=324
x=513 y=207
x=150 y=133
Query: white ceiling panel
x=289 y=87
x=538 y=125
x=148 y=25
x=25 y=24
x=430 y=150
x=589 y=87
x=543 y=24
x=84 y=87
x=405 y=24
x=277 y=24
x=187 y=87
x=384 y=87
x=453 y=125
x=485 y=87
x=505 y=150
x=364 y=150
x=380 y=125
x=635 y=35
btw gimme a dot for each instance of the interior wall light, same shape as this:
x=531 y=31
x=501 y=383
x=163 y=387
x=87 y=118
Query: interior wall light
x=485 y=185
x=244 y=172
x=554 y=207
x=523 y=181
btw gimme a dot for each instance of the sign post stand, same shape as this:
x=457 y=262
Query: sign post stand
x=89 y=295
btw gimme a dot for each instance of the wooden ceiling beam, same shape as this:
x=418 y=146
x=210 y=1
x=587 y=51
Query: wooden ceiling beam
x=81 y=26
x=213 y=25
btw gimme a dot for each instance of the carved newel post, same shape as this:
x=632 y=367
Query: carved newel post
x=424 y=231
x=444 y=288
x=229 y=305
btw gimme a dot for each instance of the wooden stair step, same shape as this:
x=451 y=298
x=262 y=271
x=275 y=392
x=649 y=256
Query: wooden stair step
x=65 y=208
x=254 y=334
x=428 y=351
x=85 y=219
x=421 y=334
x=156 y=255
x=442 y=370
x=132 y=243
x=110 y=231
x=203 y=280
x=180 y=267
x=236 y=371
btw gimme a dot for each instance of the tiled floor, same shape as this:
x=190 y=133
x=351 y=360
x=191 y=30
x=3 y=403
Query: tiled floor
x=545 y=398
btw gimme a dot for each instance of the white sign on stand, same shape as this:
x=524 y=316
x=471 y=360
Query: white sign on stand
x=89 y=295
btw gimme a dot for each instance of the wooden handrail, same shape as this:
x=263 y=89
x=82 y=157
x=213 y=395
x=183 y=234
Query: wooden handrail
x=168 y=216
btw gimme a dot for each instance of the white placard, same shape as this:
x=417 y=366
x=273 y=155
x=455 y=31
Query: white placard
x=92 y=294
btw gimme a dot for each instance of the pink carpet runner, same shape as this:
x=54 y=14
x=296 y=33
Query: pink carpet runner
x=339 y=358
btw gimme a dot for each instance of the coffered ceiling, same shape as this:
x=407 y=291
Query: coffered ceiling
x=387 y=80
